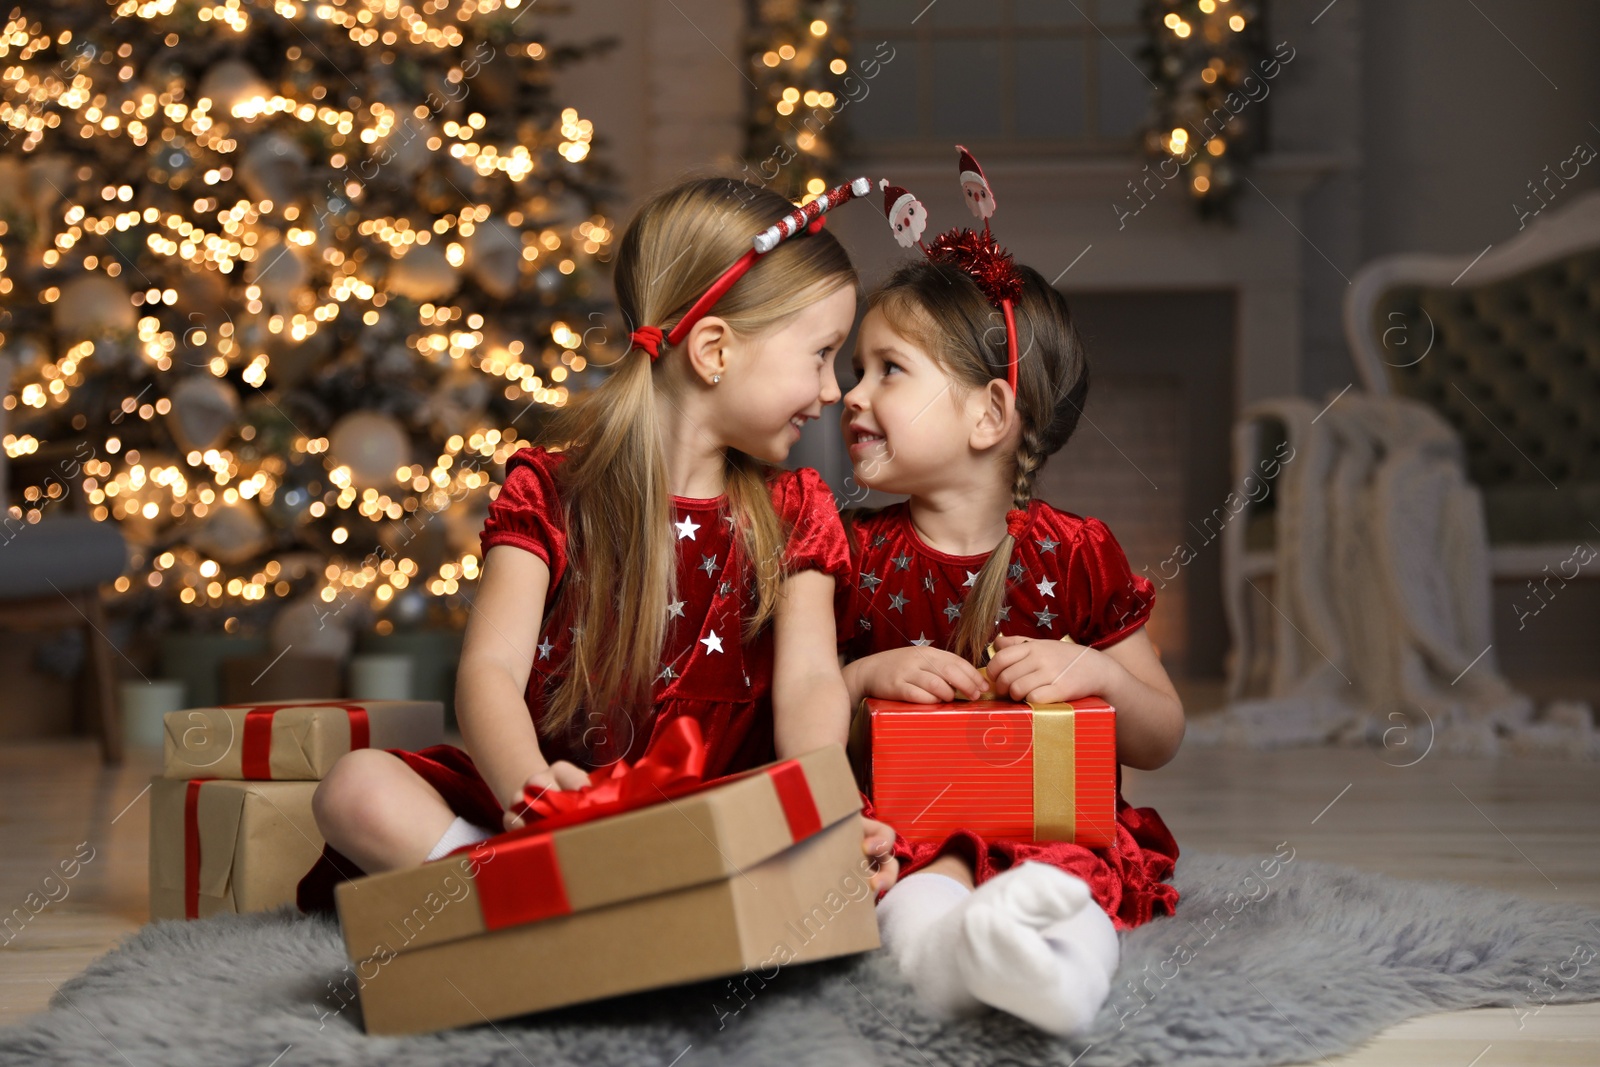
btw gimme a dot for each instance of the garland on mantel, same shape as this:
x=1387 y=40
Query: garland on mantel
x=1212 y=73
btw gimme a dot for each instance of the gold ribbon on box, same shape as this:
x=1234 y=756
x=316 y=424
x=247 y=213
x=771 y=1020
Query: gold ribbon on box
x=1055 y=739
x=1055 y=808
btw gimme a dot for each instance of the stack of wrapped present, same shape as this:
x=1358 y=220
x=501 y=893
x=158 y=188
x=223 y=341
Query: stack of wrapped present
x=647 y=877
x=231 y=828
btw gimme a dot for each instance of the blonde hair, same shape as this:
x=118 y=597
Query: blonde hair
x=942 y=310
x=621 y=572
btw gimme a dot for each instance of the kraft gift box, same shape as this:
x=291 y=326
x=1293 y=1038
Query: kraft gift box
x=295 y=740
x=228 y=846
x=753 y=872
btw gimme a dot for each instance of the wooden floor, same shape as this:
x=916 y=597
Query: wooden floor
x=1524 y=826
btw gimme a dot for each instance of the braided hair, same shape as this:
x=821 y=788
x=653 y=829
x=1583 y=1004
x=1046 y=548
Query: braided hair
x=941 y=309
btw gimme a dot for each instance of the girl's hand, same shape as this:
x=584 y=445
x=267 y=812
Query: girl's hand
x=922 y=674
x=878 y=845
x=1046 y=672
x=558 y=775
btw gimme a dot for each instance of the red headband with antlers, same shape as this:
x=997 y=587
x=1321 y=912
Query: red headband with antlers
x=978 y=255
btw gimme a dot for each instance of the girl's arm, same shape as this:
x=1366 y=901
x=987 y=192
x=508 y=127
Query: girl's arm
x=856 y=676
x=496 y=656
x=1150 y=722
x=810 y=703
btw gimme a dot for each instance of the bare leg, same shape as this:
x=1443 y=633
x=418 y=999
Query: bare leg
x=952 y=867
x=379 y=812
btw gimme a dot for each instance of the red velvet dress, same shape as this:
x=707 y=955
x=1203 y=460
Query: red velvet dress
x=1067 y=576
x=706 y=673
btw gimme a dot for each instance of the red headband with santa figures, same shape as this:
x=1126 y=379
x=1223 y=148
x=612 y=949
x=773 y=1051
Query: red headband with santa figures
x=978 y=255
x=808 y=217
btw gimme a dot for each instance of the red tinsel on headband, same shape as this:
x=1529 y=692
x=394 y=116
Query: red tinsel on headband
x=980 y=256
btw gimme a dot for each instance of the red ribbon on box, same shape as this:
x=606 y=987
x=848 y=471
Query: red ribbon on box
x=675 y=764
x=256 y=747
x=191 y=847
x=519 y=878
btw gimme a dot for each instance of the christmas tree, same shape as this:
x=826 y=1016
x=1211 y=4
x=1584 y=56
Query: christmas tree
x=282 y=283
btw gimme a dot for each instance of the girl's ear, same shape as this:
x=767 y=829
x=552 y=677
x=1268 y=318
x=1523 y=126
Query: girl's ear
x=706 y=347
x=996 y=410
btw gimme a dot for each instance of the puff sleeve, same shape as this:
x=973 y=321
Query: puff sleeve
x=1108 y=600
x=527 y=512
x=816 y=536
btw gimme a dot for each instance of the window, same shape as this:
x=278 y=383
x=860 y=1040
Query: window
x=1032 y=76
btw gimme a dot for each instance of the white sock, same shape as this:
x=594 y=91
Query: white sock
x=1034 y=943
x=920 y=922
x=461 y=832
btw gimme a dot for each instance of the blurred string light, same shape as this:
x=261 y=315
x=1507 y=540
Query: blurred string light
x=799 y=56
x=1198 y=53
x=390 y=215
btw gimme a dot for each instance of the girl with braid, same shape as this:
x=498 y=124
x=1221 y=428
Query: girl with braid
x=970 y=375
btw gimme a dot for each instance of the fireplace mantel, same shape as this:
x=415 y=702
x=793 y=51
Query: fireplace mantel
x=1051 y=212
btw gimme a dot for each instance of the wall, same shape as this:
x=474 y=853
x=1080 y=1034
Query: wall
x=1441 y=112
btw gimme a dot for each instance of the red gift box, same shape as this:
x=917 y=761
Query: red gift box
x=1023 y=772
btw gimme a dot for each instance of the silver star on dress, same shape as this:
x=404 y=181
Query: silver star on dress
x=878 y=539
x=901 y=562
x=675 y=609
x=1017 y=571
x=921 y=640
x=952 y=610
x=1046 y=545
x=927 y=581
x=864 y=624
x=708 y=564
x=1045 y=618
x=1046 y=587
x=712 y=643
x=686 y=528
x=544 y=648
x=1005 y=613
x=870 y=581
x=667 y=672
x=972 y=576
x=725 y=588
x=898 y=602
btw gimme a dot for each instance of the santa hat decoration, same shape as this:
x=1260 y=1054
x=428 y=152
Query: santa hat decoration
x=978 y=255
x=906 y=215
x=975 y=187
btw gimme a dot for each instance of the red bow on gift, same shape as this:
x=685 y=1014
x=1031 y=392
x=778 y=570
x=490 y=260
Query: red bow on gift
x=675 y=764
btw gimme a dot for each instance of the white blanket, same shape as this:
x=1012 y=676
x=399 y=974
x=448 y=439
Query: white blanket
x=1380 y=600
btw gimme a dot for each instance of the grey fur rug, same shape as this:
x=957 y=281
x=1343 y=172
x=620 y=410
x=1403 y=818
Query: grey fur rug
x=1270 y=961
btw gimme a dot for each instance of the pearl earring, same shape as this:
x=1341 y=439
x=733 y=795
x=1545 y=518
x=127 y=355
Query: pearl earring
x=715 y=378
